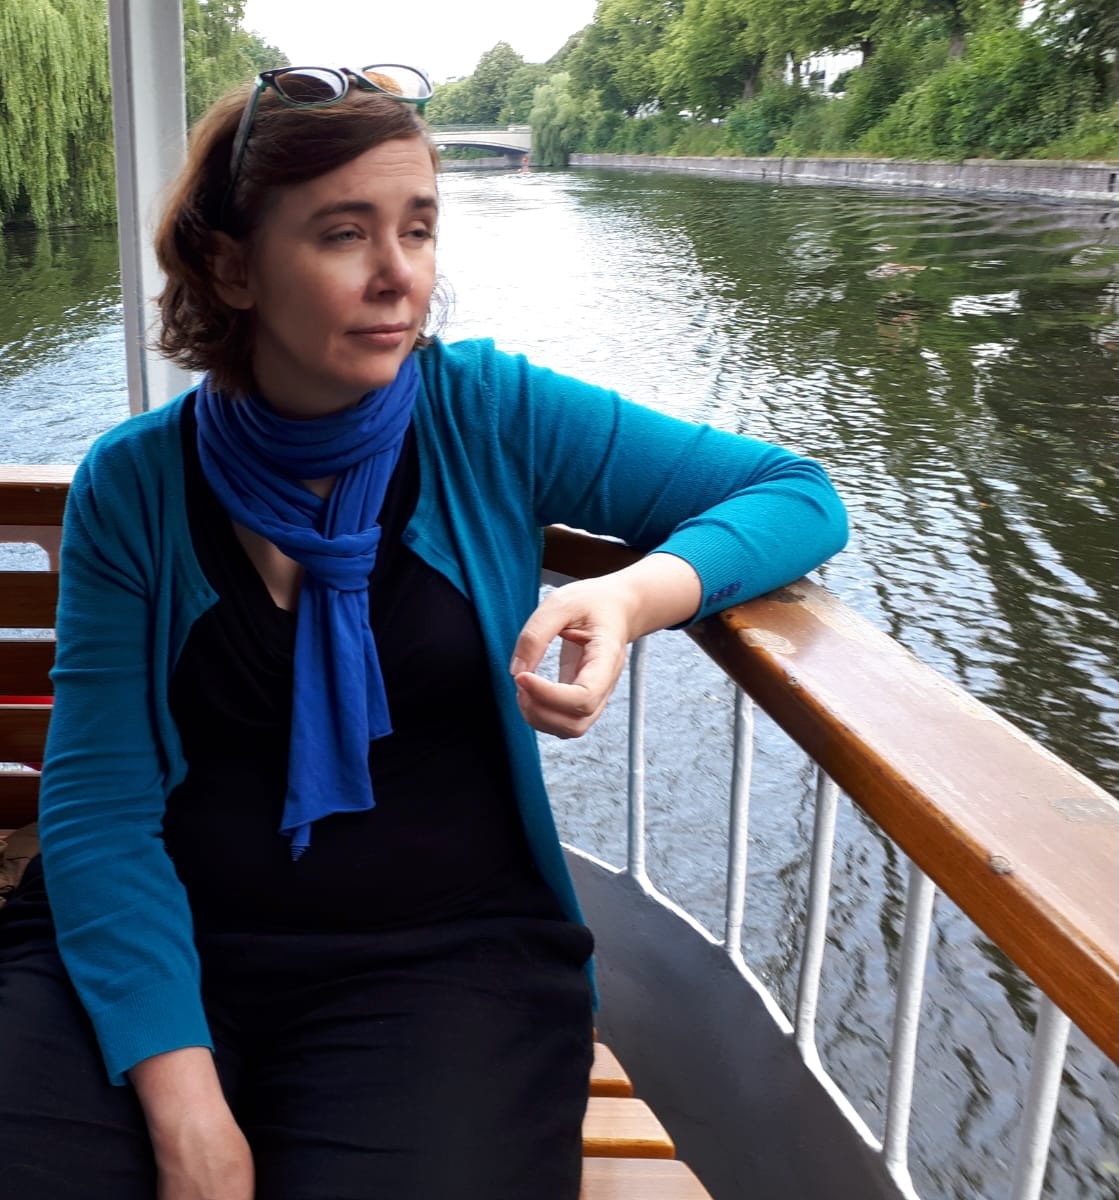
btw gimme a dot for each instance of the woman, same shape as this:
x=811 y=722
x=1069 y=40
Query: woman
x=312 y=910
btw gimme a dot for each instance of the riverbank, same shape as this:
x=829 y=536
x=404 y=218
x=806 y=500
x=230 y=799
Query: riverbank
x=500 y=162
x=1097 y=182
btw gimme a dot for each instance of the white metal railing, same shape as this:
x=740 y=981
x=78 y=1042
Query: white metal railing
x=1051 y=1035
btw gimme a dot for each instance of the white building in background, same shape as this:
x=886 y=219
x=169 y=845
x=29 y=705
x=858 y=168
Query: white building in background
x=822 y=70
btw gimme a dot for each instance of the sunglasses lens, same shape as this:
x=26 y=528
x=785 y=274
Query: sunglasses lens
x=310 y=85
x=405 y=82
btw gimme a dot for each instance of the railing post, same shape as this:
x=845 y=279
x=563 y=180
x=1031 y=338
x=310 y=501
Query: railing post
x=635 y=791
x=816 y=924
x=907 y=1022
x=1050 y=1042
x=149 y=132
x=741 y=771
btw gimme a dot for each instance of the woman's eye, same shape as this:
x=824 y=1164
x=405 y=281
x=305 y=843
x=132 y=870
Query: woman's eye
x=421 y=234
x=342 y=235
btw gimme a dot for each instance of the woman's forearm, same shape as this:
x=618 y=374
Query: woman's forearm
x=175 y=1087
x=200 y=1151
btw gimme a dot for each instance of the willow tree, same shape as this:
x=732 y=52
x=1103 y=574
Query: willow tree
x=56 y=134
x=56 y=124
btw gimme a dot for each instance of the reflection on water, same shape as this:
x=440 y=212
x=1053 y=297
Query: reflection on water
x=953 y=363
x=62 y=373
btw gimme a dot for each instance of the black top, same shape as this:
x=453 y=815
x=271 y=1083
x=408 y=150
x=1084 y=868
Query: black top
x=444 y=839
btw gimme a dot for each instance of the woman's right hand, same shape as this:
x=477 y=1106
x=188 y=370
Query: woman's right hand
x=200 y=1151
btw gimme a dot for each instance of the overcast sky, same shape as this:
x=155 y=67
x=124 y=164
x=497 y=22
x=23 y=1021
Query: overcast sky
x=445 y=37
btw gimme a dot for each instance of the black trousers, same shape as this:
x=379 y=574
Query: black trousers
x=448 y=1063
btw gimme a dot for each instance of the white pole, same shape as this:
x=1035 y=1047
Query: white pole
x=149 y=132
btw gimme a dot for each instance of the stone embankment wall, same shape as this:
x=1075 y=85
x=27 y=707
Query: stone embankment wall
x=501 y=162
x=1097 y=182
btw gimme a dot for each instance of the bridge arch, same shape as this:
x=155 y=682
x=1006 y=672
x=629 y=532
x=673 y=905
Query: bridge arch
x=512 y=140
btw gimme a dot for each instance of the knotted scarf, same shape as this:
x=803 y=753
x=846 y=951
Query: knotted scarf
x=254 y=460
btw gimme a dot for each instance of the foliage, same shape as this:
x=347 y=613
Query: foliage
x=558 y=121
x=1094 y=136
x=454 y=103
x=896 y=67
x=491 y=80
x=520 y=92
x=707 y=57
x=499 y=92
x=756 y=126
x=1087 y=31
x=218 y=53
x=616 y=56
x=56 y=153
x=56 y=136
x=1009 y=95
x=940 y=78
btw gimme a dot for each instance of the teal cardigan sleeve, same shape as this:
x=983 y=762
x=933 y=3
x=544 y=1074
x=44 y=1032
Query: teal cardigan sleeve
x=124 y=925
x=749 y=516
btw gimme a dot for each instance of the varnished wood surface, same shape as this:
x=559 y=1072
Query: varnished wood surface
x=25 y=665
x=615 y=1127
x=28 y=599
x=19 y=798
x=33 y=495
x=608 y=1076
x=23 y=732
x=640 y=1179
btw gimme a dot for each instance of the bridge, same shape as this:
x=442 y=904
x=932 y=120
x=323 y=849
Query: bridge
x=513 y=140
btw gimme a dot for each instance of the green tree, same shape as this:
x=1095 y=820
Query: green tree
x=520 y=92
x=56 y=148
x=709 y=59
x=1008 y=95
x=1087 y=31
x=492 y=77
x=615 y=57
x=218 y=53
x=56 y=140
x=558 y=119
x=454 y=103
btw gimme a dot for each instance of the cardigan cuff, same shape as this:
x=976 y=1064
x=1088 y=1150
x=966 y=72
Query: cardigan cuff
x=720 y=571
x=168 y=1016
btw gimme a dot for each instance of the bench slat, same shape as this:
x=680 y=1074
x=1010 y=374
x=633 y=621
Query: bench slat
x=623 y=1128
x=25 y=665
x=608 y=1077
x=23 y=732
x=34 y=495
x=639 y=1179
x=28 y=599
x=19 y=799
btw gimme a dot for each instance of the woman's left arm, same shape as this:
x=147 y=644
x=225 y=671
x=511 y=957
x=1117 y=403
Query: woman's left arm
x=722 y=517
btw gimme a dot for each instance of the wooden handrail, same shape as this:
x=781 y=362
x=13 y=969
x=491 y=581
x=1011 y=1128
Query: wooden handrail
x=1024 y=844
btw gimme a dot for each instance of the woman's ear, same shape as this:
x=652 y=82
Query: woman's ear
x=228 y=264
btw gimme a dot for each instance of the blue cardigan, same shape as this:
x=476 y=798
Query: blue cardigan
x=505 y=448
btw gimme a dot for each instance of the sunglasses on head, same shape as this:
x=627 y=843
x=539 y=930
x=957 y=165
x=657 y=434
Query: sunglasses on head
x=317 y=87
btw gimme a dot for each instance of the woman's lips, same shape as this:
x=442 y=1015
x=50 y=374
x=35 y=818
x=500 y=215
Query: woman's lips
x=387 y=336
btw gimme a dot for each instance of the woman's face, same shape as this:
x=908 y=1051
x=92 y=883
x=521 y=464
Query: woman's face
x=339 y=276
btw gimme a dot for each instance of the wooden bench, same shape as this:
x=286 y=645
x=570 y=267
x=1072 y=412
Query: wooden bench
x=628 y=1155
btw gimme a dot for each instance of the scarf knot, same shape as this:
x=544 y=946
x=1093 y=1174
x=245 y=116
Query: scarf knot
x=255 y=461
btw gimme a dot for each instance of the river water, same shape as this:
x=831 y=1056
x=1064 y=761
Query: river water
x=952 y=361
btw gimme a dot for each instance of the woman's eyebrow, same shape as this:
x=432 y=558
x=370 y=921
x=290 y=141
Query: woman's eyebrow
x=423 y=202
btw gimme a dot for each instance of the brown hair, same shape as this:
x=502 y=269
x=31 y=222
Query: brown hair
x=286 y=146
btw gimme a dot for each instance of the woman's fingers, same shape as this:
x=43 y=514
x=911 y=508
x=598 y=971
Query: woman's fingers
x=588 y=672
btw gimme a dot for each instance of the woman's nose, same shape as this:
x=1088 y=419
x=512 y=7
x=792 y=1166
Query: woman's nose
x=392 y=272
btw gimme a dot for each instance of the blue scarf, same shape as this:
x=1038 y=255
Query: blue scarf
x=254 y=461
